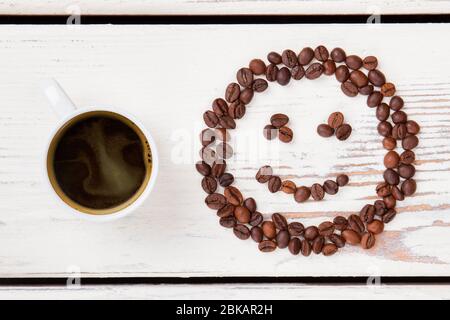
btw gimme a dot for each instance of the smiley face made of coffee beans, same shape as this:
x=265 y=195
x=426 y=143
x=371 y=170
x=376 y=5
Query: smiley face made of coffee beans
x=240 y=213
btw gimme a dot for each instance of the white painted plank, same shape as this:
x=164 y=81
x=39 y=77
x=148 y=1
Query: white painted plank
x=205 y=7
x=158 y=71
x=227 y=292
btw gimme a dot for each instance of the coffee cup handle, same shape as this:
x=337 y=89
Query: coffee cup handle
x=59 y=100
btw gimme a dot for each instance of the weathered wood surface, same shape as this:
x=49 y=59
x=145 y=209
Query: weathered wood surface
x=139 y=7
x=167 y=76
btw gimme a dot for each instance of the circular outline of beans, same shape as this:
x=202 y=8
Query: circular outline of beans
x=241 y=213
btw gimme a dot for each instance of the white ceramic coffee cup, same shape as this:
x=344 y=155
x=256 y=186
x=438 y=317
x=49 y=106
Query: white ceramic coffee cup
x=67 y=111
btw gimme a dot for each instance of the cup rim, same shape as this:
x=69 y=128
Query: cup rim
x=148 y=188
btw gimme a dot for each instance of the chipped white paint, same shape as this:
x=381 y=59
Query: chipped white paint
x=160 y=73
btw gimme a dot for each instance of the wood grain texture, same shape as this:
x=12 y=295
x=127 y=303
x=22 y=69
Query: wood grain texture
x=204 y=7
x=167 y=76
x=227 y=292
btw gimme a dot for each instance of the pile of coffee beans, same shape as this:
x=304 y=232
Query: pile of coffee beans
x=241 y=214
x=335 y=126
x=277 y=127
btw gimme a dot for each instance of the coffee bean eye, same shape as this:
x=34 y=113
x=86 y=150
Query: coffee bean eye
x=356 y=76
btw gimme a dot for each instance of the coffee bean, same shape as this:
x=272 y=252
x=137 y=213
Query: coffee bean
x=389 y=215
x=256 y=234
x=270 y=132
x=330 y=187
x=215 y=201
x=288 y=187
x=236 y=110
x=380 y=207
x=353 y=62
x=335 y=119
x=208 y=155
x=375 y=227
x=264 y=174
x=305 y=56
x=338 y=55
x=391 y=177
x=267 y=246
x=210 y=119
x=311 y=233
x=246 y=95
x=279 y=120
x=355 y=223
x=226 y=179
x=233 y=195
x=297 y=72
x=397 y=193
x=367 y=213
x=224 y=150
x=283 y=76
x=382 y=112
x=374 y=99
x=340 y=223
x=376 y=77
x=338 y=240
x=227 y=222
x=271 y=72
x=342 y=73
x=326 y=228
x=384 y=128
x=232 y=92
x=259 y=85
x=285 y=134
x=343 y=131
x=227 y=122
x=396 y=103
x=289 y=58
x=274 y=57
x=305 y=248
x=241 y=232
x=383 y=189
x=389 y=143
x=242 y=214
x=329 y=249
x=412 y=127
x=203 y=168
x=351 y=237
x=367 y=240
x=283 y=238
x=314 y=71
x=317 y=192
x=257 y=66
x=244 y=77
x=325 y=130
x=279 y=221
x=226 y=211
x=209 y=184
x=358 y=78
x=407 y=157
x=218 y=168
x=349 y=89
x=410 y=142
x=250 y=204
x=406 y=171
x=274 y=184
x=390 y=201
x=366 y=90
x=391 y=159
x=207 y=137
x=302 y=194
x=370 y=63
x=296 y=229
x=388 y=89
x=329 y=67
x=317 y=244
x=294 y=246
x=409 y=187
x=342 y=180
x=256 y=218
x=221 y=134
x=269 y=229
x=399 y=117
x=220 y=107
x=321 y=53
x=399 y=131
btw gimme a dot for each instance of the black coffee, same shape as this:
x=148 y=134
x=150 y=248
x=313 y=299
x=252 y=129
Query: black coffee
x=99 y=162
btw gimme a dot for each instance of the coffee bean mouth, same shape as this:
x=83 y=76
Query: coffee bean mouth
x=357 y=77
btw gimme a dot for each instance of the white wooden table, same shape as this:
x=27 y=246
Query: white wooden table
x=156 y=72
